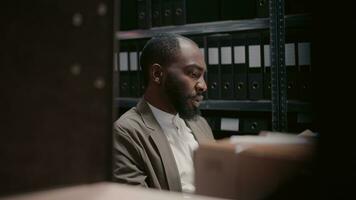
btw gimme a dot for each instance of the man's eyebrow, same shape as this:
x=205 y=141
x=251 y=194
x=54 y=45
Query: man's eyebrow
x=200 y=68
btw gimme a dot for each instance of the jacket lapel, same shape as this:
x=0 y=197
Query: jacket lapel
x=198 y=131
x=162 y=144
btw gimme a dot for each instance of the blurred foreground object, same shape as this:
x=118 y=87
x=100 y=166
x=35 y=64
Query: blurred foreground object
x=105 y=191
x=56 y=97
x=251 y=167
x=307 y=133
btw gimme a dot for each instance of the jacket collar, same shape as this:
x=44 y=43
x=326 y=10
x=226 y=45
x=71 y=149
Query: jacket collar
x=151 y=122
x=162 y=144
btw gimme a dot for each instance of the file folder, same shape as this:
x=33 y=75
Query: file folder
x=226 y=68
x=167 y=12
x=254 y=125
x=141 y=44
x=202 y=11
x=262 y=8
x=200 y=41
x=213 y=67
x=144 y=14
x=297 y=7
x=179 y=12
x=255 y=73
x=124 y=74
x=134 y=69
x=157 y=13
x=267 y=85
x=240 y=65
x=304 y=62
x=128 y=15
x=241 y=9
x=291 y=65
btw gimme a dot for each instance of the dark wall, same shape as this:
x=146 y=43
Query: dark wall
x=56 y=93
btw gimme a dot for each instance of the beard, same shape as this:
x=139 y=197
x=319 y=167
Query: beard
x=179 y=98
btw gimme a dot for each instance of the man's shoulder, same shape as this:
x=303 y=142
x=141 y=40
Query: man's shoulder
x=202 y=127
x=128 y=119
x=200 y=120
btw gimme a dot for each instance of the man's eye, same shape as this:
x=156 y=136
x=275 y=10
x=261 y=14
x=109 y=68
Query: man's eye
x=194 y=75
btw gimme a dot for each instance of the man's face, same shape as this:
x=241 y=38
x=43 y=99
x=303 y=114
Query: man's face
x=185 y=82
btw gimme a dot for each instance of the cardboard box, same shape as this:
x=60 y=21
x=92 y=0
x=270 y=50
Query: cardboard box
x=105 y=191
x=249 y=167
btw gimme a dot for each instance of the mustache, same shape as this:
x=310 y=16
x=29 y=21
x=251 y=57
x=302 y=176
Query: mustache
x=196 y=96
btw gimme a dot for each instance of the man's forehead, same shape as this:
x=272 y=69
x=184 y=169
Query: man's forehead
x=185 y=42
x=190 y=54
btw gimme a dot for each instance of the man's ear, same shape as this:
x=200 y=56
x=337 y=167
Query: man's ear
x=156 y=73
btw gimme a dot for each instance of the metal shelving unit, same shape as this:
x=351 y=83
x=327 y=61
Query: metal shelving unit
x=230 y=105
x=278 y=106
x=214 y=27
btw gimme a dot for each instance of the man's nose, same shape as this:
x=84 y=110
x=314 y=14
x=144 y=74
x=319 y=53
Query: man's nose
x=201 y=85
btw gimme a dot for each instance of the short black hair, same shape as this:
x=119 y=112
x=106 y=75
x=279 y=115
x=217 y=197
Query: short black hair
x=161 y=49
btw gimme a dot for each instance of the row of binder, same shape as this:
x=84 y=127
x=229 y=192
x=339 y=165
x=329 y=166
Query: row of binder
x=234 y=125
x=252 y=123
x=143 y=14
x=130 y=78
x=238 y=65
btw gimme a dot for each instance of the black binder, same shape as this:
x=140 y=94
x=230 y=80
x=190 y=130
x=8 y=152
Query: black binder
x=202 y=11
x=167 y=12
x=262 y=7
x=200 y=41
x=134 y=68
x=213 y=67
x=266 y=54
x=128 y=15
x=291 y=65
x=304 y=64
x=226 y=67
x=141 y=44
x=179 y=12
x=157 y=13
x=253 y=125
x=240 y=65
x=144 y=14
x=297 y=7
x=241 y=9
x=255 y=73
x=124 y=77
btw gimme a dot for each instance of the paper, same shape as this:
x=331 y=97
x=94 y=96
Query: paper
x=254 y=56
x=213 y=56
x=133 y=61
x=226 y=55
x=124 y=64
x=229 y=124
x=239 y=55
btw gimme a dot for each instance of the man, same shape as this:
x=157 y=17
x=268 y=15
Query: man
x=154 y=141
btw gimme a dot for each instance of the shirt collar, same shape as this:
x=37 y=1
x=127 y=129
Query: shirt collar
x=163 y=118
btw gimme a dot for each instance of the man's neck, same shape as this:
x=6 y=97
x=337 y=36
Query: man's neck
x=159 y=101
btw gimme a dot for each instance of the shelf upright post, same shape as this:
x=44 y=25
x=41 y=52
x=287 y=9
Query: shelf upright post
x=278 y=69
x=116 y=61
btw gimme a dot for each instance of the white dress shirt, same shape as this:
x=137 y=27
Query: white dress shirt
x=182 y=143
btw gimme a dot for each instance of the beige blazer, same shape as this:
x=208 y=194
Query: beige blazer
x=141 y=152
